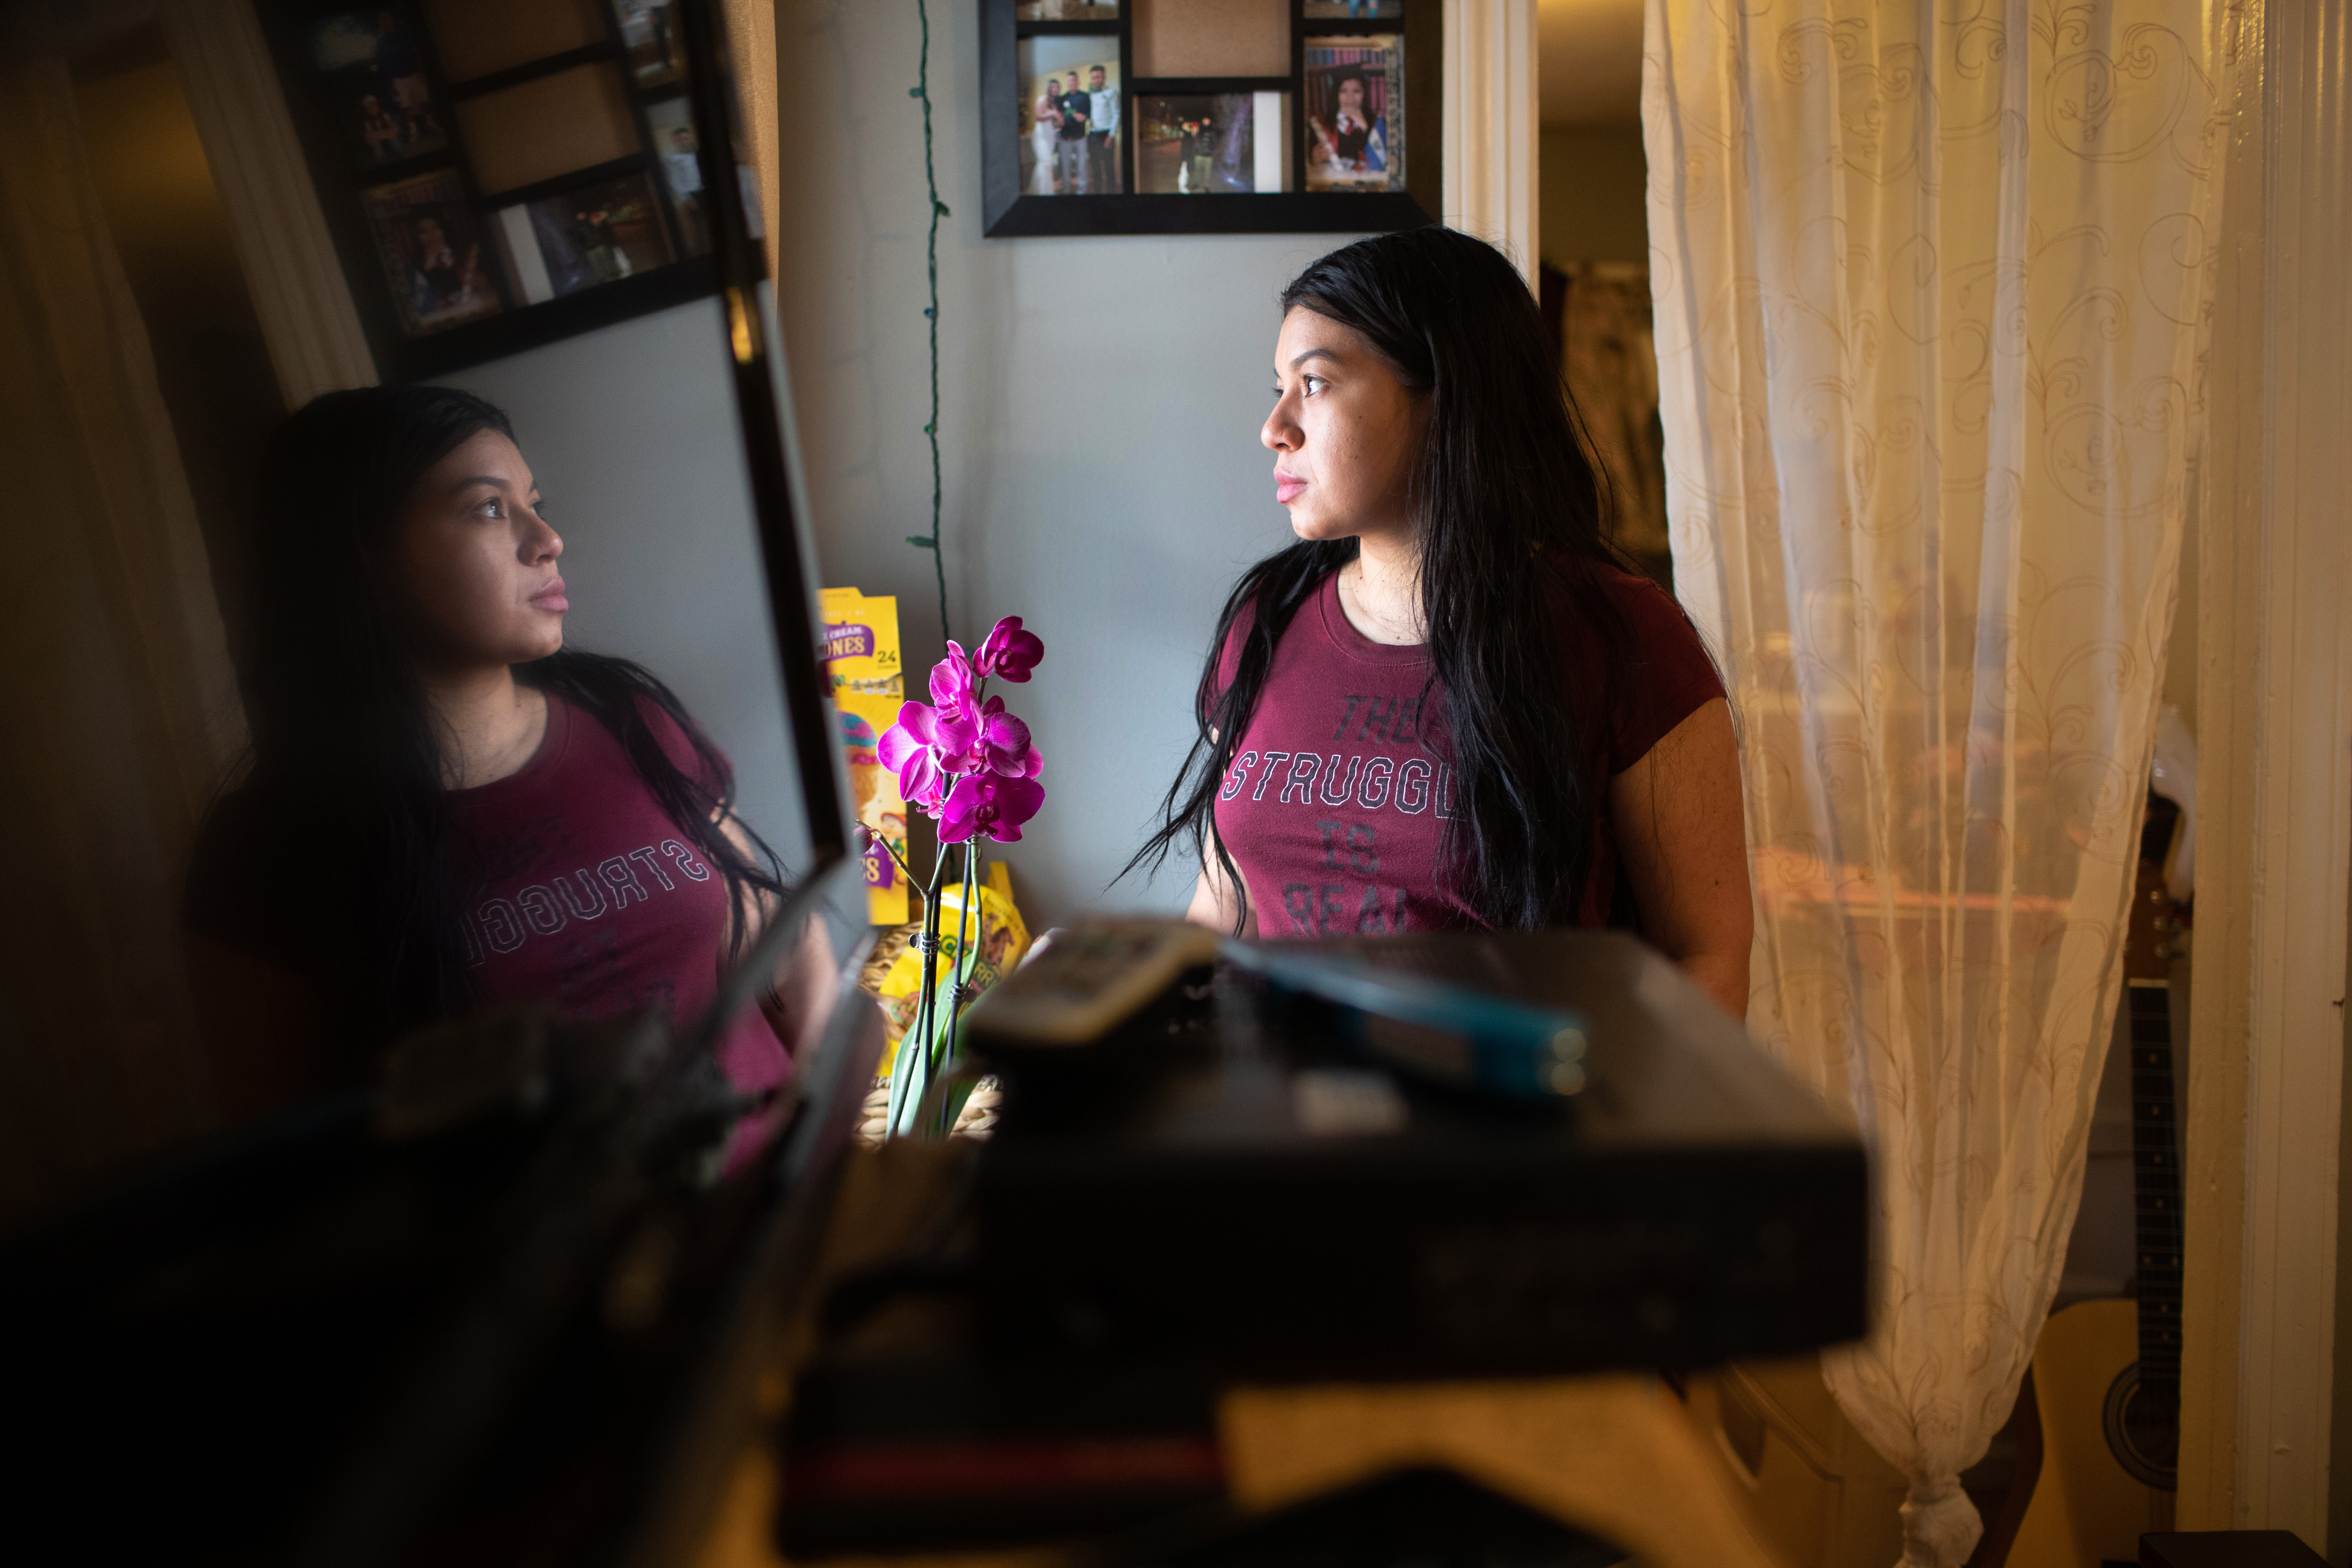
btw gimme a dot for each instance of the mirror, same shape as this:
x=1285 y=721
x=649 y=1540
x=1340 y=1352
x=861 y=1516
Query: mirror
x=497 y=689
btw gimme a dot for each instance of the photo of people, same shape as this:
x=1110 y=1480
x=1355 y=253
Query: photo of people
x=432 y=253
x=1194 y=145
x=599 y=234
x=1070 y=111
x=671 y=123
x=649 y=32
x=1355 y=113
x=1353 y=10
x=372 y=62
x=1066 y=11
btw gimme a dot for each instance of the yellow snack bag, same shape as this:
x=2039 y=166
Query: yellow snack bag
x=861 y=646
x=1003 y=940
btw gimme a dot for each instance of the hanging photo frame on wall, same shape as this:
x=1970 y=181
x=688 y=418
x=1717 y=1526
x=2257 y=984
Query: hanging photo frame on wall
x=497 y=177
x=1355 y=113
x=1210 y=116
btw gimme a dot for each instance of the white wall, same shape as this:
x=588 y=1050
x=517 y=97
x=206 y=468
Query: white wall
x=1100 y=400
x=630 y=432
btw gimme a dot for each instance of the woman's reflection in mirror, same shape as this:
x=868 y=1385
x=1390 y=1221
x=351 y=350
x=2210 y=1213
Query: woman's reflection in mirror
x=446 y=809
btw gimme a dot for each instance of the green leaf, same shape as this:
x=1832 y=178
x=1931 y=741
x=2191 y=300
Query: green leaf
x=943 y=208
x=923 y=542
x=958 y=1093
x=914 y=92
x=906 y=1074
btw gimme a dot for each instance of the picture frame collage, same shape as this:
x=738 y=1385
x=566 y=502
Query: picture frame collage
x=497 y=177
x=1210 y=116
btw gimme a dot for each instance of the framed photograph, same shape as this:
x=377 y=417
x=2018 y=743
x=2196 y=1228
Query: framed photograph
x=670 y=122
x=1354 y=10
x=372 y=62
x=649 y=35
x=578 y=240
x=1071 y=109
x=1066 y=10
x=1196 y=144
x=1355 y=112
x=431 y=251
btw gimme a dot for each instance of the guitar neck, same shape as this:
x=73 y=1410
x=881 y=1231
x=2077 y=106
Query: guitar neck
x=2155 y=1179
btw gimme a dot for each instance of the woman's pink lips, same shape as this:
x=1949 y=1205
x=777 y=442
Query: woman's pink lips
x=552 y=597
x=1286 y=489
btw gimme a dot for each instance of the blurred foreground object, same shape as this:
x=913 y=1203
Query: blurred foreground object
x=1229 y=1189
x=507 y=1296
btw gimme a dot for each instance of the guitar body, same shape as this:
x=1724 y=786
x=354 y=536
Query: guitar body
x=2107 y=1373
x=2089 y=1508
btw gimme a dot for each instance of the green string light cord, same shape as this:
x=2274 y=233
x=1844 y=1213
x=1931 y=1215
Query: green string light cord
x=922 y=89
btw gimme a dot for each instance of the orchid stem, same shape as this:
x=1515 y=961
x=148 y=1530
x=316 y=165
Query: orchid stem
x=967 y=919
x=895 y=858
x=909 y=1096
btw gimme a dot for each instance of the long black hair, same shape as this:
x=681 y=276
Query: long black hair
x=1510 y=515
x=347 y=765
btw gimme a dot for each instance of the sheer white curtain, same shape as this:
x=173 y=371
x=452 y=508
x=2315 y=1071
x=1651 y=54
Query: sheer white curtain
x=1928 y=280
x=114 y=676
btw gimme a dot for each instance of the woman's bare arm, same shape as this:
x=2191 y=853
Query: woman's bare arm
x=800 y=996
x=1213 y=901
x=806 y=985
x=1684 y=842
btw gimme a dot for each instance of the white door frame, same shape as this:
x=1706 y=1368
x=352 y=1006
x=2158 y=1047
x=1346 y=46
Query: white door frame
x=307 y=320
x=2267 y=1033
x=1492 y=123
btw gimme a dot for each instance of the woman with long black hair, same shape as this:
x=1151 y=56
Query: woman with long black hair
x=446 y=808
x=1449 y=704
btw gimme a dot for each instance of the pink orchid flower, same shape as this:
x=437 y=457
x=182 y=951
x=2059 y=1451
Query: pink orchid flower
x=1009 y=653
x=916 y=748
x=951 y=681
x=965 y=762
x=989 y=803
x=1004 y=746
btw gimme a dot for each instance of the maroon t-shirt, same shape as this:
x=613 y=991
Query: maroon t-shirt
x=583 y=894
x=590 y=898
x=1336 y=804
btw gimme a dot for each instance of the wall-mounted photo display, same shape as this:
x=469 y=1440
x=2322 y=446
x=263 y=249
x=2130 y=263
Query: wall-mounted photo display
x=1233 y=143
x=432 y=253
x=498 y=174
x=1209 y=116
x=1072 y=106
x=372 y=63
x=1355 y=112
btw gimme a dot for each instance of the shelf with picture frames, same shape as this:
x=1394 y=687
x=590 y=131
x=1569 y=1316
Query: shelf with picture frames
x=1210 y=116
x=497 y=176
